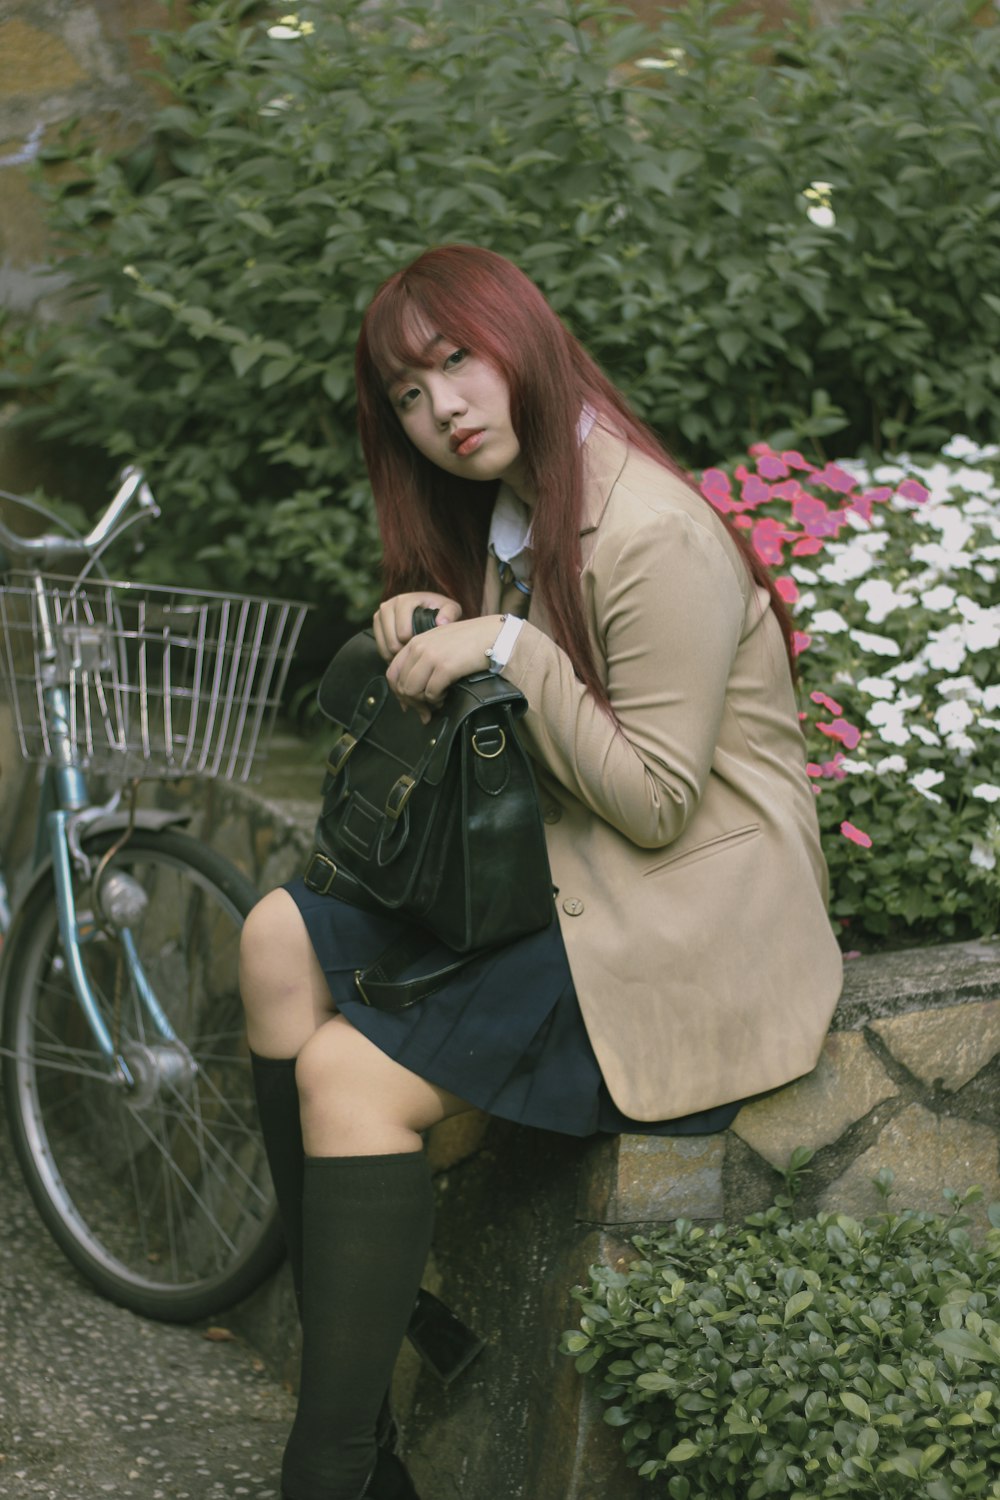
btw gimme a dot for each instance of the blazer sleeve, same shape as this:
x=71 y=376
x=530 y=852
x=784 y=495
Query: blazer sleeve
x=669 y=618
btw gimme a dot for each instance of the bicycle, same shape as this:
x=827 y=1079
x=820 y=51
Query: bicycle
x=124 y=1065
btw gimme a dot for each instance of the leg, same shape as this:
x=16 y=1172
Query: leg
x=367 y=1215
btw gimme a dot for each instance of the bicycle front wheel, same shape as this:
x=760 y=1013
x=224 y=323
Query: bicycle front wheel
x=159 y=1193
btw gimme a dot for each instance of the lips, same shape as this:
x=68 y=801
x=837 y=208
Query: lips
x=465 y=440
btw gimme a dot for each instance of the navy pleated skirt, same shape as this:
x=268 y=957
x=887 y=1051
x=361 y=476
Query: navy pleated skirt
x=505 y=1033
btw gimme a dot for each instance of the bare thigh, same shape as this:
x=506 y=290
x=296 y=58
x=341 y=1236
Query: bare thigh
x=285 y=993
x=355 y=1100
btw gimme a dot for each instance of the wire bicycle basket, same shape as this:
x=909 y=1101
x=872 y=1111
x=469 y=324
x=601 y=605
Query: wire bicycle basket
x=152 y=681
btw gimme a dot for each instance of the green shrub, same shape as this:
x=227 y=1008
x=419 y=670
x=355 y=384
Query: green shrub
x=790 y=235
x=811 y=1358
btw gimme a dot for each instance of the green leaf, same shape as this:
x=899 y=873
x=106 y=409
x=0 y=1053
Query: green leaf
x=797 y=1305
x=966 y=1345
x=683 y=1452
x=856 y=1405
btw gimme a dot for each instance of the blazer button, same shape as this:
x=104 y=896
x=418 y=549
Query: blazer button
x=552 y=814
x=573 y=906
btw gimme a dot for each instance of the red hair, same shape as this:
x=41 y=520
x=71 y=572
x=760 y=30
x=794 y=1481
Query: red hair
x=435 y=525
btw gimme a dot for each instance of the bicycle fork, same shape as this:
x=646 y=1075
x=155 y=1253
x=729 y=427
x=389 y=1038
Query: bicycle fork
x=143 y=1067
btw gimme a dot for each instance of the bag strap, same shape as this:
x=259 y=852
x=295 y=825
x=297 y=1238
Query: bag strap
x=380 y=986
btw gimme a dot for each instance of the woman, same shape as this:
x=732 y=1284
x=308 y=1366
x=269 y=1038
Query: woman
x=692 y=964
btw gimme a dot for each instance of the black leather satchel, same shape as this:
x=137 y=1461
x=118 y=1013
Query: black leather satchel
x=436 y=822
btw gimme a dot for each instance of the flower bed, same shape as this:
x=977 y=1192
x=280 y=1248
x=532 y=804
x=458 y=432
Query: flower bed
x=891 y=577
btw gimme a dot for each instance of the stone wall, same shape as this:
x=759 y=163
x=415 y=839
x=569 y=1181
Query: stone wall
x=909 y=1079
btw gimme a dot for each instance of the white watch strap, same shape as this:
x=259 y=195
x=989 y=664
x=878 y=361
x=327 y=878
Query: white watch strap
x=499 y=653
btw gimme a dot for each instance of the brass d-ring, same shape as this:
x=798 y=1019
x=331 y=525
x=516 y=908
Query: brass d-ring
x=490 y=754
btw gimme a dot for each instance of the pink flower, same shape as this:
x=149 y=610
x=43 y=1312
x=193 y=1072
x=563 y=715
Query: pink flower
x=829 y=770
x=855 y=835
x=800 y=642
x=788 y=489
x=758 y=448
x=743 y=522
x=770 y=466
x=768 y=536
x=912 y=489
x=754 y=491
x=849 y=735
x=717 y=490
x=787 y=588
x=806 y=546
x=835 y=478
x=827 y=703
x=815 y=517
x=794 y=460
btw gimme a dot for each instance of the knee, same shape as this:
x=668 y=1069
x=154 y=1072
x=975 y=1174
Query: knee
x=274 y=948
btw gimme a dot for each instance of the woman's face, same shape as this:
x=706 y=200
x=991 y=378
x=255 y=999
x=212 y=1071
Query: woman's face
x=456 y=412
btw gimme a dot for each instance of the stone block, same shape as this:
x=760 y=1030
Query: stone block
x=889 y=984
x=455 y=1140
x=641 y=1179
x=35 y=61
x=846 y=1084
x=927 y=1153
x=950 y=1046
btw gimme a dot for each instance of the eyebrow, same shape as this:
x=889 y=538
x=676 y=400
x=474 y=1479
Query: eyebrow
x=400 y=373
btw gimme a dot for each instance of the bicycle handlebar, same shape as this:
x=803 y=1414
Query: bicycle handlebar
x=51 y=549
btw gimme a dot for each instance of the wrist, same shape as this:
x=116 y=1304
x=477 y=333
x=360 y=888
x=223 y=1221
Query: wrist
x=499 y=654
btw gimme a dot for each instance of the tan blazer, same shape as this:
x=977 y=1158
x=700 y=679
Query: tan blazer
x=684 y=843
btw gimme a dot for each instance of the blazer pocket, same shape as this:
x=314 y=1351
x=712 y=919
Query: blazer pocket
x=709 y=847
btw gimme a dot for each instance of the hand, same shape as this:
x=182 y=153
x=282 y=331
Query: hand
x=393 y=620
x=424 y=669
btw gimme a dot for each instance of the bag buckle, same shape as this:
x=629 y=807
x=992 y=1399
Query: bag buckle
x=318 y=881
x=489 y=734
x=360 y=987
x=399 y=795
x=340 y=752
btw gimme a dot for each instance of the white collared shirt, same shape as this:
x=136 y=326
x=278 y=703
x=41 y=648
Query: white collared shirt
x=510 y=526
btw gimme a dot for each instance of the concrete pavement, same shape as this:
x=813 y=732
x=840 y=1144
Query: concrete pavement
x=95 y=1402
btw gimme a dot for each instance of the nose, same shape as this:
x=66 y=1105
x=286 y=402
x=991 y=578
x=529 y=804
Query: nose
x=447 y=402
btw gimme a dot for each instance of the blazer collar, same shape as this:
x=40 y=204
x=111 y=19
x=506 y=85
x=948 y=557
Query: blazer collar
x=604 y=455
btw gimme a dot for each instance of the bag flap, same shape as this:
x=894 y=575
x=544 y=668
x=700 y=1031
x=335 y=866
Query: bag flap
x=354 y=693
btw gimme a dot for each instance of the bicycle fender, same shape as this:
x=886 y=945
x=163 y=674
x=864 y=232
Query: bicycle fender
x=151 y=818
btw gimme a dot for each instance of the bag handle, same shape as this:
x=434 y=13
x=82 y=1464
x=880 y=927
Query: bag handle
x=423 y=619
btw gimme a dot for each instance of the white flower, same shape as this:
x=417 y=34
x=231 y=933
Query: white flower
x=986 y=792
x=283 y=33
x=963 y=447
x=889 y=474
x=989 y=723
x=881 y=599
x=941 y=598
x=803 y=575
x=983 y=634
x=924 y=780
x=887 y=720
x=908 y=669
x=877 y=687
x=924 y=735
x=890 y=763
x=672 y=58
x=828 y=621
x=961 y=687
x=953 y=717
x=855 y=767
x=991 y=697
x=878 y=645
x=946 y=649
x=825 y=218
x=982 y=856
x=847 y=563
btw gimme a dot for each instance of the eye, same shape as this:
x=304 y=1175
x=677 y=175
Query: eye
x=455 y=358
x=406 y=398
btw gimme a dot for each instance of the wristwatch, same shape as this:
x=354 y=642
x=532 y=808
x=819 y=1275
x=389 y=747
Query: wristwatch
x=499 y=654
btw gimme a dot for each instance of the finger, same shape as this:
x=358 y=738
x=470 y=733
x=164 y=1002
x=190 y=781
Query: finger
x=448 y=612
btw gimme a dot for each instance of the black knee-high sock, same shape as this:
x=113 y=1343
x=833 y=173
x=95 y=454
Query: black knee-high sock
x=280 y=1124
x=366 y=1232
